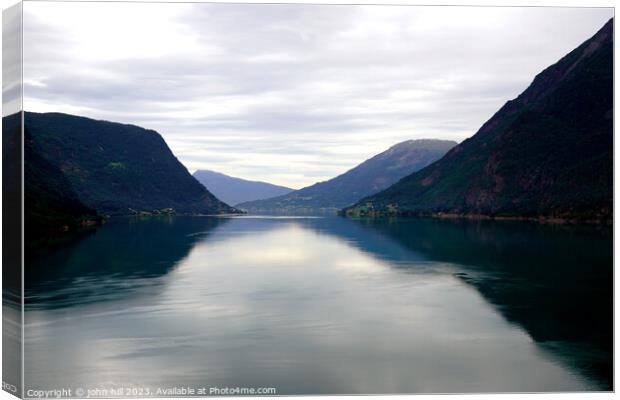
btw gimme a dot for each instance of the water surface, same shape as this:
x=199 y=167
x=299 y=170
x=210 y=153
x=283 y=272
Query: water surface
x=324 y=305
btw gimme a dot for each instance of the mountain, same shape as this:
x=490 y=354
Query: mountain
x=546 y=154
x=113 y=168
x=51 y=204
x=236 y=190
x=12 y=229
x=369 y=177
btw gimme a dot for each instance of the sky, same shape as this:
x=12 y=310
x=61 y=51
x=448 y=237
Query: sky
x=290 y=94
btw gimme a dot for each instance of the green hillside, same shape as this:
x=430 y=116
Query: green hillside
x=118 y=169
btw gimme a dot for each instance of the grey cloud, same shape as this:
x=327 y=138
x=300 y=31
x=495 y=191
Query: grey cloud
x=11 y=60
x=327 y=82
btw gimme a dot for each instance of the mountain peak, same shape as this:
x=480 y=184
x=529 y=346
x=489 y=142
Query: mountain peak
x=429 y=144
x=369 y=177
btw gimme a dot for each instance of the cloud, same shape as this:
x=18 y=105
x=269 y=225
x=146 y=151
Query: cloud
x=290 y=94
x=11 y=60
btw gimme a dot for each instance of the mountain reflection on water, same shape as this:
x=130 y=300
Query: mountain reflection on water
x=125 y=254
x=555 y=281
x=325 y=305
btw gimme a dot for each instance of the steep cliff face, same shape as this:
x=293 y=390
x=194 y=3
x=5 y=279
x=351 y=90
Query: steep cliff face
x=547 y=153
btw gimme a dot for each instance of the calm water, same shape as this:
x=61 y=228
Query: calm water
x=324 y=305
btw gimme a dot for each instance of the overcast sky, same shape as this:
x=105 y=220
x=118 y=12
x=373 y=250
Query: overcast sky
x=290 y=94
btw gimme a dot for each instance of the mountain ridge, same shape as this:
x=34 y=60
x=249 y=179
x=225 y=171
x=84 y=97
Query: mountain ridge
x=234 y=190
x=116 y=168
x=370 y=176
x=547 y=153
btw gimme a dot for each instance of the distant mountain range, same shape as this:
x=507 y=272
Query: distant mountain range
x=369 y=177
x=548 y=153
x=82 y=164
x=233 y=190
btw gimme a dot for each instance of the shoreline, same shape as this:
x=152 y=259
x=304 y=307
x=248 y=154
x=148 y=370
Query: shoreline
x=548 y=220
